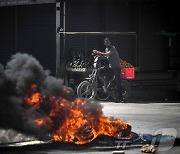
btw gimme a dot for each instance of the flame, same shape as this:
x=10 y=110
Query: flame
x=79 y=122
x=35 y=98
x=39 y=122
x=46 y=121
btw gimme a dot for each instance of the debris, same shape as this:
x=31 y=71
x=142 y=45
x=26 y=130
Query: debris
x=118 y=152
x=148 y=148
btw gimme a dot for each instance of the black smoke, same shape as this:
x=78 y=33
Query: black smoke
x=16 y=77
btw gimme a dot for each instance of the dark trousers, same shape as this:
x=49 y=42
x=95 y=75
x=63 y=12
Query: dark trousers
x=117 y=73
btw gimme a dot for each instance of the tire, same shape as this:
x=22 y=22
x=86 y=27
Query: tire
x=84 y=91
x=125 y=89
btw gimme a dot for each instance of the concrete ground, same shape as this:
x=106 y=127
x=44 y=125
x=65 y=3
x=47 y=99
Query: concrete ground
x=145 y=118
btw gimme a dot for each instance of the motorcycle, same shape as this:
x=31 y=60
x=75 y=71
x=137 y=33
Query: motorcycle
x=93 y=86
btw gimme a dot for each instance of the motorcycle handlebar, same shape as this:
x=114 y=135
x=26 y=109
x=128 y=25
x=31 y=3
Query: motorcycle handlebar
x=97 y=55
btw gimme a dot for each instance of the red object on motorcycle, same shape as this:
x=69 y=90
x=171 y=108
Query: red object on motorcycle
x=128 y=73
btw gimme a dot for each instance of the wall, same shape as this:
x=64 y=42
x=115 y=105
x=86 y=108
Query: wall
x=29 y=29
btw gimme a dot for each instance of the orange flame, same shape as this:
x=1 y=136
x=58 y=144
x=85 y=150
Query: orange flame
x=35 y=98
x=46 y=121
x=39 y=122
x=82 y=128
x=79 y=122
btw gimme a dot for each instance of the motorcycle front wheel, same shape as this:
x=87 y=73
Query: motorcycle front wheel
x=86 y=90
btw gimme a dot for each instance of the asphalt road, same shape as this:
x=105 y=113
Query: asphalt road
x=145 y=118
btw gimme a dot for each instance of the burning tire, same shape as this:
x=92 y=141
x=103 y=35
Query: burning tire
x=85 y=90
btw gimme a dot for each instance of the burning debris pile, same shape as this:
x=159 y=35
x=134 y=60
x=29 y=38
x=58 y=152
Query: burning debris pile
x=33 y=102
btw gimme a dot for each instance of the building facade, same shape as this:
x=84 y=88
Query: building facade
x=147 y=30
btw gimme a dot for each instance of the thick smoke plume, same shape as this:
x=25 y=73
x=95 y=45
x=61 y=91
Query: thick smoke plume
x=16 y=78
x=35 y=103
